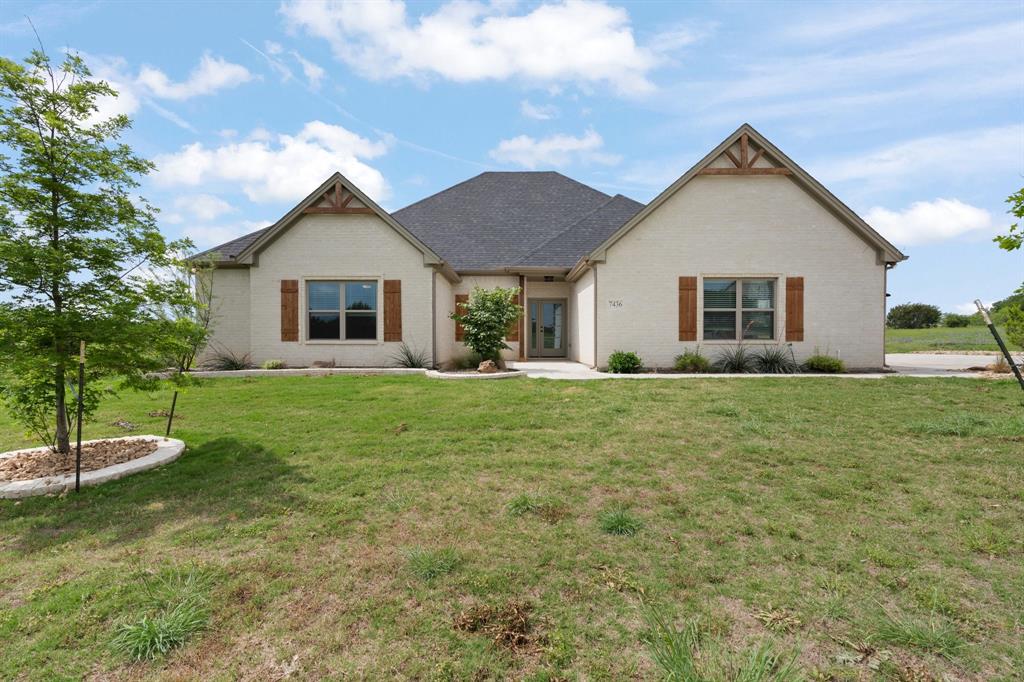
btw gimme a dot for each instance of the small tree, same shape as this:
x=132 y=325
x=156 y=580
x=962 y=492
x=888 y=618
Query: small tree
x=77 y=248
x=1014 y=237
x=487 y=318
x=913 y=316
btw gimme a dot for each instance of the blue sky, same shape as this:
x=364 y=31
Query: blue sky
x=912 y=113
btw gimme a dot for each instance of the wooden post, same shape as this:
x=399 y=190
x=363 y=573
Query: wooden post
x=81 y=389
x=999 y=341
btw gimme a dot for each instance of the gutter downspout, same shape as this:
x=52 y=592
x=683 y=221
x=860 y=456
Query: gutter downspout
x=433 y=317
x=594 y=268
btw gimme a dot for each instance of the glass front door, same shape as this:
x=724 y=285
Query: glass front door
x=547 y=328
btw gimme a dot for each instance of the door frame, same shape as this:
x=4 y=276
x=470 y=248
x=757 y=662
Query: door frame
x=533 y=350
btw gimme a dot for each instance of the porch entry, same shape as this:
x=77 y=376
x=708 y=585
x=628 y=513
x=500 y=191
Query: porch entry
x=547 y=327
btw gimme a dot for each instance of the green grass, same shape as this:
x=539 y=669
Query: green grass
x=787 y=518
x=619 y=522
x=941 y=338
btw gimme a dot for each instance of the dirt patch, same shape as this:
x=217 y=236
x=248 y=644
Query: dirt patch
x=44 y=462
x=509 y=625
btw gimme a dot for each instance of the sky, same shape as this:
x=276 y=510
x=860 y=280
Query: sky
x=911 y=113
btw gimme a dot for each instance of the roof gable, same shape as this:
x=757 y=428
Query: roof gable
x=747 y=152
x=337 y=195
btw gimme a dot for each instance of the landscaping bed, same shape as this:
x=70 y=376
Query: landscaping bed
x=25 y=465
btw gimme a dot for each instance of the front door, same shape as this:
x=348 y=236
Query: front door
x=547 y=328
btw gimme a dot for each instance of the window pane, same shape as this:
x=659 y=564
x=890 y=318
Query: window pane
x=360 y=296
x=324 y=326
x=719 y=325
x=758 y=325
x=759 y=293
x=324 y=296
x=720 y=293
x=360 y=325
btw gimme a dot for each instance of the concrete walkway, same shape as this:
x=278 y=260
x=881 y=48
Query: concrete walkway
x=907 y=364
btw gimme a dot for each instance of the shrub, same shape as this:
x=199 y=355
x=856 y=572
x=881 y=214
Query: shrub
x=1015 y=325
x=619 y=522
x=470 y=360
x=956 y=320
x=692 y=361
x=824 y=364
x=428 y=564
x=225 y=360
x=274 y=364
x=487 y=318
x=407 y=357
x=735 y=360
x=624 y=362
x=913 y=316
x=775 y=360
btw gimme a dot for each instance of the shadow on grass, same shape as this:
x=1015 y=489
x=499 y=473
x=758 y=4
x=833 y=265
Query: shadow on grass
x=220 y=482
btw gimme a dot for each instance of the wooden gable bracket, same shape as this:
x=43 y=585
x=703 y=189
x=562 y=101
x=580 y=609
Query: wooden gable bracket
x=745 y=164
x=338 y=199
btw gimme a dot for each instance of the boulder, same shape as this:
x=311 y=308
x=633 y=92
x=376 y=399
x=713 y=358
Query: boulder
x=487 y=367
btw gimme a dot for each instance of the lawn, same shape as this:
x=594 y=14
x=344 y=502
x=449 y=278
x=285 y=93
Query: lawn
x=380 y=527
x=941 y=338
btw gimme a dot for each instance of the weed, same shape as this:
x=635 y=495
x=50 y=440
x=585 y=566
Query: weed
x=936 y=634
x=619 y=522
x=429 y=564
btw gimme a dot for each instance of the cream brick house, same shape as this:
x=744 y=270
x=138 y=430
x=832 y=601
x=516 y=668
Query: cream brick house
x=745 y=247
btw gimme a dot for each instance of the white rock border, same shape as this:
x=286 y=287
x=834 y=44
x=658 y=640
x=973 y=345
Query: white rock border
x=470 y=376
x=168 y=450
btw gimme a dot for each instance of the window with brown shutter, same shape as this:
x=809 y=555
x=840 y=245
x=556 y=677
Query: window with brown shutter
x=392 y=310
x=460 y=302
x=687 y=308
x=794 y=309
x=289 y=310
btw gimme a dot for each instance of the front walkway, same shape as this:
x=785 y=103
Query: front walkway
x=909 y=364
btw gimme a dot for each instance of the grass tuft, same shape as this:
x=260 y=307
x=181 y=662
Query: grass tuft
x=936 y=634
x=959 y=425
x=428 y=564
x=619 y=522
x=152 y=637
x=522 y=504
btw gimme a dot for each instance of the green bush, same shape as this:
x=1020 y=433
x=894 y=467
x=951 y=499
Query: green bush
x=913 y=316
x=1015 y=325
x=225 y=360
x=693 y=362
x=487 y=318
x=775 y=360
x=274 y=364
x=624 y=362
x=824 y=364
x=735 y=360
x=470 y=360
x=956 y=320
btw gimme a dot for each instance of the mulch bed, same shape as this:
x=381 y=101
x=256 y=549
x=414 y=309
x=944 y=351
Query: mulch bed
x=44 y=462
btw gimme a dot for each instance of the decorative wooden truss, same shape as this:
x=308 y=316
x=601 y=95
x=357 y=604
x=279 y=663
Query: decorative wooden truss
x=338 y=199
x=744 y=165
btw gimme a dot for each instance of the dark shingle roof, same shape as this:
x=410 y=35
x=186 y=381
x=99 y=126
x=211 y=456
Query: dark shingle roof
x=495 y=219
x=228 y=251
x=503 y=219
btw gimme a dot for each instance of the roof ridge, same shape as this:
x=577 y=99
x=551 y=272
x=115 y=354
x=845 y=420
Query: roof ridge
x=567 y=228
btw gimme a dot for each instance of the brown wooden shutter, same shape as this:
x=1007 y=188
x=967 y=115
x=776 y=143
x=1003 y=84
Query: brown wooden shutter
x=392 y=310
x=289 y=310
x=687 y=308
x=460 y=302
x=794 y=309
x=513 y=331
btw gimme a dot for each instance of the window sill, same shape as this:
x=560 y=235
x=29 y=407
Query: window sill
x=353 y=342
x=733 y=342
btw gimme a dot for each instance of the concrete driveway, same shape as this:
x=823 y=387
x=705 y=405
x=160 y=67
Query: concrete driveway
x=939 y=364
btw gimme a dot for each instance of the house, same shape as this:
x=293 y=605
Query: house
x=746 y=247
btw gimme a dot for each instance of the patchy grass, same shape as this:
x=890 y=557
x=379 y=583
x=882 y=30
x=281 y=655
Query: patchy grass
x=941 y=338
x=787 y=518
x=619 y=522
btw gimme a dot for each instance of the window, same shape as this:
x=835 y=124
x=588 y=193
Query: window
x=739 y=309
x=328 y=320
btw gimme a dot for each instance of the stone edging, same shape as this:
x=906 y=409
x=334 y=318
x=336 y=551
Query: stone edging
x=304 y=371
x=468 y=376
x=168 y=450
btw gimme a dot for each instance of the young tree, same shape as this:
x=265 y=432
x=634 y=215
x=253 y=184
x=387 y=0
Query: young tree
x=76 y=247
x=487 y=318
x=1014 y=237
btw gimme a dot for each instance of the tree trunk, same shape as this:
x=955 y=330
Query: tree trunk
x=63 y=438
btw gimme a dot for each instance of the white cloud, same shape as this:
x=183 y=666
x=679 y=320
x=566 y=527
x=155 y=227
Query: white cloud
x=577 y=41
x=204 y=207
x=970 y=308
x=313 y=72
x=954 y=155
x=212 y=74
x=930 y=221
x=553 y=151
x=277 y=167
x=538 y=112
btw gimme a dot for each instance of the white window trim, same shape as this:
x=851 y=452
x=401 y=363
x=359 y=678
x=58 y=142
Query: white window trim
x=304 y=318
x=778 y=309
